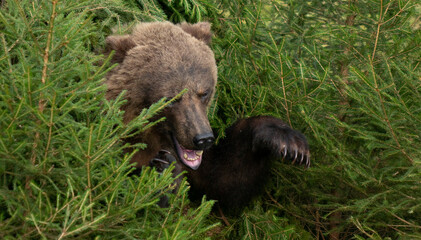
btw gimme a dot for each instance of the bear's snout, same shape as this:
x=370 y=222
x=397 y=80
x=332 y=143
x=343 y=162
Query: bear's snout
x=204 y=141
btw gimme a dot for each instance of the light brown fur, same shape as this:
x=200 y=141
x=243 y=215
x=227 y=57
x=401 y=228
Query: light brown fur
x=160 y=60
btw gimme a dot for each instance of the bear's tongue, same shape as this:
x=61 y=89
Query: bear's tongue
x=191 y=158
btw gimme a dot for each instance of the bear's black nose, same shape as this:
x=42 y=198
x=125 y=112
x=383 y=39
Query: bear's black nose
x=203 y=141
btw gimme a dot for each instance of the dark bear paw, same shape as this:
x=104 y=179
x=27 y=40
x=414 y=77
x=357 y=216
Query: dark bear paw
x=280 y=140
x=294 y=146
x=162 y=160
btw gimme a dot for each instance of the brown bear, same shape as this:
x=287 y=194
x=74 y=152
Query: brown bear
x=161 y=59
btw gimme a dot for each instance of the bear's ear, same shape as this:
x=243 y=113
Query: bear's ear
x=121 y=45
x=200 y=30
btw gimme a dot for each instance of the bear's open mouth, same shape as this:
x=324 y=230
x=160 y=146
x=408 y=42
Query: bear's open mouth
x=190 y=158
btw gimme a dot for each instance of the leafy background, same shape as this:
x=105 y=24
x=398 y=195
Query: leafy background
x=345 y=73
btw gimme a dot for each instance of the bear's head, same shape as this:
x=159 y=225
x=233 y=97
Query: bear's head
x=160 y=60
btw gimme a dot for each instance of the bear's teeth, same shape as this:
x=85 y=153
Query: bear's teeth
x=186 y=157
x=193 y=159
x=199 y=153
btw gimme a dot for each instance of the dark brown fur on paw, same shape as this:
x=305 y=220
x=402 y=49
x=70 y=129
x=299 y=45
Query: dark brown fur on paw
x=162 y=160
x=273 y=135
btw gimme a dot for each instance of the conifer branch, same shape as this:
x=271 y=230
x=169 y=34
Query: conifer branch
x=409 y=224
x=47 y=46
x=379 y=23
x=284 y=90
x=6 y=52
x=385 y=115
x=50 y=126
x=336 y=217
x=281 y=76
x=42 y=101
x=88 y=170
x=28 y=26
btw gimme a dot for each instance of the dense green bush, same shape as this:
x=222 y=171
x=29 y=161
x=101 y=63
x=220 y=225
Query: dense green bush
x=63 y=171
x=345 y=73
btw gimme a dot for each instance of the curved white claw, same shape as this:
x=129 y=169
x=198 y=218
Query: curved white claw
x=285 y=150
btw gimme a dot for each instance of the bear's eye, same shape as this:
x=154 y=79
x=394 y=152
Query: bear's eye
x=204 y=96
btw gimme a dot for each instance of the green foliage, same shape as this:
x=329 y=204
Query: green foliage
x=175 y=11
x=257 y=224
x=64 y=173
x=345 y=73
